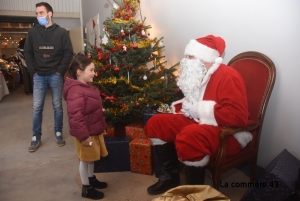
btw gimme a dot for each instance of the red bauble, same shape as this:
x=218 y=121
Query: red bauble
x=137 y=104
x=89 y=56
x=144 y=95
x=98 y=72
x=116 y=69
x=135 y=45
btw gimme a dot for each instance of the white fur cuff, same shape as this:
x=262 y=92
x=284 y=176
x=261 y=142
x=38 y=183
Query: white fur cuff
x=200 y=163
x=175 y=103
x=206 y=113
x=243 y=138
x=157 y=141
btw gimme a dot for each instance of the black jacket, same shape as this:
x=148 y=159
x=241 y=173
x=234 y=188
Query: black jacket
x=48 y=50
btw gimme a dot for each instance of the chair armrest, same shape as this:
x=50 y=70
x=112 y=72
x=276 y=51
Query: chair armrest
x=226 y=132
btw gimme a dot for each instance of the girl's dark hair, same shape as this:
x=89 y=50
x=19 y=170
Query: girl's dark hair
x=79 y=61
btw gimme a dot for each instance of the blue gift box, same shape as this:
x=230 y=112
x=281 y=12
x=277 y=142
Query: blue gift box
x=118 y=159
x=279 y=180
x=148 y=114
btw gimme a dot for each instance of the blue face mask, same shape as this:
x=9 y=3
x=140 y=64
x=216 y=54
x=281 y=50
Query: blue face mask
x=42 y=20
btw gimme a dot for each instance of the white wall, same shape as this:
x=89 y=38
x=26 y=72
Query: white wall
x=94 y=7
x=271 y=27
x=67 y=23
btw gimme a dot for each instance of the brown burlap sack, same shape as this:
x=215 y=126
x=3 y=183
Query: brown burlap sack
x=192 y=193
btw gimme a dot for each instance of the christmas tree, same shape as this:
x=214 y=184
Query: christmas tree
x=130 y=69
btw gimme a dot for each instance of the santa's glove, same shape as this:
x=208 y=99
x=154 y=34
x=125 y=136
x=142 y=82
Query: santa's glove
x=190 y=108
x=184 y=108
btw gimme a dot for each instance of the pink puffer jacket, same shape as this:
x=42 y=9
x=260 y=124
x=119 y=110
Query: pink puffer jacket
x=84 y=107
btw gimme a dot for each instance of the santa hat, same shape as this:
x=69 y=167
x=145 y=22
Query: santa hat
x=209 y=48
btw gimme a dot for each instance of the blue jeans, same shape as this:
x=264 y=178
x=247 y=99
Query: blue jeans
x=40 y=87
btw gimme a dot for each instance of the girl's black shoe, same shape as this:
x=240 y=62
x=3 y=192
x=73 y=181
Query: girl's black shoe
x=97 y=184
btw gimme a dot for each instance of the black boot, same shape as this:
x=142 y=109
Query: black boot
x=194 y=175
x=168 y=160
x=97 y=184
x=89 y=192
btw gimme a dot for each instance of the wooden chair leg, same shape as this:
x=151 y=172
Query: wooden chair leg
x=216 y=180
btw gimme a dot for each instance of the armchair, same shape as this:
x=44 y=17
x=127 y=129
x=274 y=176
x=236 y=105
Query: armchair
x=259 y=73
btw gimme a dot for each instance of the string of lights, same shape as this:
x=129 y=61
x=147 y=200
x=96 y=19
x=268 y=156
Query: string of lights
x=8 y=38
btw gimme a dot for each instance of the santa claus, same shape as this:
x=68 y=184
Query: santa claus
x=214 y=97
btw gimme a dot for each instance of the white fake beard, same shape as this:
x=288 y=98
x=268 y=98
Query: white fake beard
x=192 y=72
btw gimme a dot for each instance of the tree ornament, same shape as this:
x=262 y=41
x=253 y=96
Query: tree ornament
x=143 y=32
x=122 y=32
x=145 y=77
x=100 y=55
x=89 y=56
x=116 y=6
x=105 y=39
x=144 y=95
x=135 y=45
x=137 y=104
x=116 y=69
x=124 y=48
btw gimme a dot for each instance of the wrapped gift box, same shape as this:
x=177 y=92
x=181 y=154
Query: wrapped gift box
x=279 y=180
x=141 y=156
x=118 y=159
x=110 y=131
x=135 y=130
x=148 y=114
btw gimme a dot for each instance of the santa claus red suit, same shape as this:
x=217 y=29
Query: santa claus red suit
x=214 y=97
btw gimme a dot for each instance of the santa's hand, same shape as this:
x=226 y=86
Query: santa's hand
x=185 y=113
x=191 y=107
x=185 y=109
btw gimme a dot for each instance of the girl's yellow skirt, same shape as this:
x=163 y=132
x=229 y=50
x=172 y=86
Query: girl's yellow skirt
x=91 y=153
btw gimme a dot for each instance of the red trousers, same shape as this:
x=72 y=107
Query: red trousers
x=192 y=140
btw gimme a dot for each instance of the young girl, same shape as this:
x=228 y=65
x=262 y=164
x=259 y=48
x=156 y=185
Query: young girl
x=86 y=121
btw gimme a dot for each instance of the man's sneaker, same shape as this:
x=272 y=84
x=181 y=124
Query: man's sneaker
x=59 y=139
x=35 y=144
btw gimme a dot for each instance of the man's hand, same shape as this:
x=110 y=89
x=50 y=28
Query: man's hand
x=190 y=108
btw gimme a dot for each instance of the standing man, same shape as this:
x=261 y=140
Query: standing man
x=214 y=97
x=48 y=52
